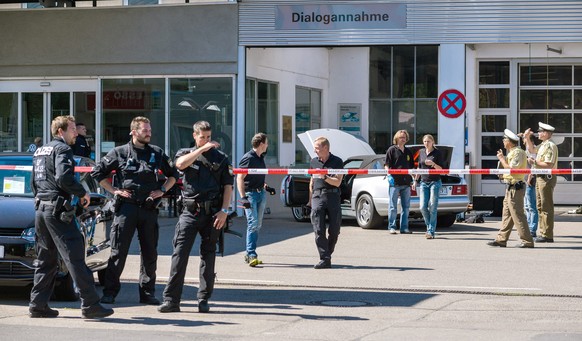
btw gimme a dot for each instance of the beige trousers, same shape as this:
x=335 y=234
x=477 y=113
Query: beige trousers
x=545 y=204
x=514 y=214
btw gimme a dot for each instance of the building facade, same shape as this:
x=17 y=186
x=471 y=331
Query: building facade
x=282 y=67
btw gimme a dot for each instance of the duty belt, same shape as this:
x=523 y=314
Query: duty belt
x=327 y=190
x=254 y=189
x=196 y=206
x=518 y=185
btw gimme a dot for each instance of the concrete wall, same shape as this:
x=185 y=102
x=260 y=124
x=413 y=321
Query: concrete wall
x=144 y=40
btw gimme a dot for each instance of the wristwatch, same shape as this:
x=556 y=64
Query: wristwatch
x=224 y=210
x=163 y=189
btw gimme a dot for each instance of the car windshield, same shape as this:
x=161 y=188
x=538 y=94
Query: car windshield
x=16 y=182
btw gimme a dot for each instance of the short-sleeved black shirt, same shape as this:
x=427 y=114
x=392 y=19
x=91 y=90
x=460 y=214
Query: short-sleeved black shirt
x=202 y=182
x=333 y=162
x=436 y=156
x=398 y=159
x=253 y=161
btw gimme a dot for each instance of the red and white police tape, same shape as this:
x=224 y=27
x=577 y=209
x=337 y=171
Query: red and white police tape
x=285 y=171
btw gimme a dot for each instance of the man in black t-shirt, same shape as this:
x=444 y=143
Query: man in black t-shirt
x=252 y=189
x=325 y=200
x=399 y=157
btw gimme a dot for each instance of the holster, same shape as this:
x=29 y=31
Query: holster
x=63 y=210
x=117 y=203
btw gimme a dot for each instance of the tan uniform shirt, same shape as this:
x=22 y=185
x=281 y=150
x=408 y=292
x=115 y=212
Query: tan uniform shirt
x=548 y=152
x=517 y=159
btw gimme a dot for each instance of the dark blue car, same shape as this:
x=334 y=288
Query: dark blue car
x=17 y=231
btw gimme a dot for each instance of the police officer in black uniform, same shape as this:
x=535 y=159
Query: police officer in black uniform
x=53 y=183
x=206 y=196
x=137 y=192
x=325 y=200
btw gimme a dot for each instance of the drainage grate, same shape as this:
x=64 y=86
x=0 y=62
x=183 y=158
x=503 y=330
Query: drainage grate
x=342 y=304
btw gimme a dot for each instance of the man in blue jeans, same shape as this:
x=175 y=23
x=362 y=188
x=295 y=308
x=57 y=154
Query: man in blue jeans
x=251 y=188
x=399 y=157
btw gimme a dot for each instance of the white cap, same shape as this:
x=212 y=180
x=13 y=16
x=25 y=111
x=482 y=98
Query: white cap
x=546 y=127
x=511 y=135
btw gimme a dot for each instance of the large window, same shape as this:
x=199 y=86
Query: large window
x=553 y=94
x=307 y=117
x=9 y=122
x=403 y=93
x=494 y=90
x=195 y=99
x=262 y=115
x=124 y=99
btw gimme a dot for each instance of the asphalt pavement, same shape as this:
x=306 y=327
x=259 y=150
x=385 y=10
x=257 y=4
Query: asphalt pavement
x=381 y=287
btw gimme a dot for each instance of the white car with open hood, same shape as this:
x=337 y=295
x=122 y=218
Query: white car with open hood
x=365 y=196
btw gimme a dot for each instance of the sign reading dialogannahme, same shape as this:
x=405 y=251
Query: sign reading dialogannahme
x=332 y=17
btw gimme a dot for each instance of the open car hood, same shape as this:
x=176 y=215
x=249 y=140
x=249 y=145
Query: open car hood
x=342 y=144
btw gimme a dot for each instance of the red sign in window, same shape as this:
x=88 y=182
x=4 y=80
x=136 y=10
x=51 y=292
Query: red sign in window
x=120 y=100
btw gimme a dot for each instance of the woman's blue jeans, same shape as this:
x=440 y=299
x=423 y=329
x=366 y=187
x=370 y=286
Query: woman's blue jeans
x=404 y=193
x=531 y=210
x=429 y=201
x=254 y=216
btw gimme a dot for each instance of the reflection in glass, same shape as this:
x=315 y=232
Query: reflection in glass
x=268 y=118
x=493 y=123
x=9 y=122
x=493 y=98
x=84 y=110
x=489 y=164
x=493 y=73
x=195 y=99
x=380 y=127
x=32 y=124
x=250 y=112
x=403 y=72
x=380 y=67
x=562 y=122
x=490 y=145
x=527 y=120
x=545 y=99
x=426 y=121
x=302 y=122
x=124 y=99
x=427 y=58
x=578 y=99
x=577 y=74
x=60 y=104
x=577 y=165
x=403 y=117
x=545 y=75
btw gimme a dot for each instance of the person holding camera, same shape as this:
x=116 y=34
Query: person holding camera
x=54 y=184
x=138 y=192
x=513 y=210
x=252 y=188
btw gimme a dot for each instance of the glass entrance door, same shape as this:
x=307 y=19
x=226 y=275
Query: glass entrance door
x=28 y=107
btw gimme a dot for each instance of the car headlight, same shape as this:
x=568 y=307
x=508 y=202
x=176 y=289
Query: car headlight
x=29 y=234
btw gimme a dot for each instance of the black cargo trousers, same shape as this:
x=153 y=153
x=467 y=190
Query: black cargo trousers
x=326 y=202
x=53 y=237
x=132 y=217
x=189 y=224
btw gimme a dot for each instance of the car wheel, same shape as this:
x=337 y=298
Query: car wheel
x=299 y=214
x=65 y=289
x=101 y=277
x=366 y=214
x=446 y=220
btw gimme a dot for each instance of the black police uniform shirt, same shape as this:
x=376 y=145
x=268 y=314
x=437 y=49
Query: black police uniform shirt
x=136 y=168
x=204 y=180
x=436 y=156
x=53 y=172
x=81 y=147
x=398 y=159
x=253 y=161
x=333 y=162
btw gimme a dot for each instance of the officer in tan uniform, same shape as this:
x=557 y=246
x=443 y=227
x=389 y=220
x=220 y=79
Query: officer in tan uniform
x=513 y=211
x=547 y=158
